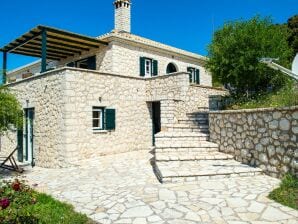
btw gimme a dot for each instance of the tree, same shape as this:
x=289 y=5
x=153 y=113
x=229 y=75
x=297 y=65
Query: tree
x=235 y=51
x=293 y=38
x=11 y=114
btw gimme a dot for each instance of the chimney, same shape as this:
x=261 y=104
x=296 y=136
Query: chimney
x=122 y=15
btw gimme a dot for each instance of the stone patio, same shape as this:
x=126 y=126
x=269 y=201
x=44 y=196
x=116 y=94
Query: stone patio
x=123 y=189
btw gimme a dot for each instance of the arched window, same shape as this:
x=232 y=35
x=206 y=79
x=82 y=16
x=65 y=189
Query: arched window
x=171 y=68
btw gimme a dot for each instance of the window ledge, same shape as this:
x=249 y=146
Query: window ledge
x=100 y=131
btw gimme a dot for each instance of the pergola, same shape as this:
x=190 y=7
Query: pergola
x=49 y=43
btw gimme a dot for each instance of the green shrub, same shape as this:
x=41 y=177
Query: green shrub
x=20 y=204
x=17 y=200
x=283 y=98
x=287 y=193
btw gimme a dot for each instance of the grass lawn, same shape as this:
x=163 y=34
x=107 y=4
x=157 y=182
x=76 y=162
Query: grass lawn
x=20 y=204
x=51 y=211
x=287 y=193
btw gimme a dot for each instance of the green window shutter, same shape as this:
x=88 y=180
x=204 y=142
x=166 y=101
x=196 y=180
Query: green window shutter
x=190 y=76
x=142 y=66
x=110 y=118
x=197 y=76
x=155 y=68
x=20 y=145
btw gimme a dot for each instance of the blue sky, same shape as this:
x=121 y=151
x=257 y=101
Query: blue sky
x=184 y=24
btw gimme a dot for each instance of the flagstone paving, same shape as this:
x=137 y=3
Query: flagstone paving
x=123 y=189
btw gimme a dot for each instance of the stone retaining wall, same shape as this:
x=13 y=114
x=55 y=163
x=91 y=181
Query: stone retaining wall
x=267 y=138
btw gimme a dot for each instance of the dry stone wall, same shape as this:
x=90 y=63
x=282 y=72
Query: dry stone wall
x=267 y=138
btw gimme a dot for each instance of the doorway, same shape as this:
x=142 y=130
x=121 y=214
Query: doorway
x=29 y=136
x=156 y=126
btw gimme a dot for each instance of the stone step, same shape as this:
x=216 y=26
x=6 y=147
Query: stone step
x=193 y=118
x=186 y=128
x=192 y=142
x=199 y=114
x=202 y=146
x=198 y=149
x=194 y=122
x=181 y=136
x=178 y=134
x=189 y=156
x=192 y=125
x=184 y=171
x=189 y=127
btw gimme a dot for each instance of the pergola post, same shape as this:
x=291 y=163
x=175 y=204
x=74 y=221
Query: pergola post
x=44 y=51
x=4 y=67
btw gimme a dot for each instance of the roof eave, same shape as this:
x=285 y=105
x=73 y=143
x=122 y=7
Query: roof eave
x=187 y=54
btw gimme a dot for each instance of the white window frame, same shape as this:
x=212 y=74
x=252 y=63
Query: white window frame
x=148 y=67
x=101 y=110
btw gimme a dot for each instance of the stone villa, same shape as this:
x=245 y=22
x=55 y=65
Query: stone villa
x=95 y=96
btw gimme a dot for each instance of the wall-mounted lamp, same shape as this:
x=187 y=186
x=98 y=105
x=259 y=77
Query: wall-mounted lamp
x=99 y=99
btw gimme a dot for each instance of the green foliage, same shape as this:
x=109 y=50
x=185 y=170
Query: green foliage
x=17 y=201
x=20 y=204
x=50 y=211
x=287 y=193
x=293 y=38
x=11 y=113
x=282 y=98
x=236 y=49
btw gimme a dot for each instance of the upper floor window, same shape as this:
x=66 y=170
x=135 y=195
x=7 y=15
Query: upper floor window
x=171 y=68
x=86 y=63
x=194 y=76
x=148 y=67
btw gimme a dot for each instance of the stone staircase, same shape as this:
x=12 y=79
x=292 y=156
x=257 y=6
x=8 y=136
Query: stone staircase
x=184 y=153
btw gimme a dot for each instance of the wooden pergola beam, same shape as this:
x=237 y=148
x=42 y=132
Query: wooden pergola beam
x=20 y=43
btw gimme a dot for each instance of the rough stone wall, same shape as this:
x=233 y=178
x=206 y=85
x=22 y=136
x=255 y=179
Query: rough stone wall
x=172 y=86
x=177 y=96
x=198 y=96
x=267 y=138
x=63 y=101
x=125 y=94
x=45 y=94
x=126 y=60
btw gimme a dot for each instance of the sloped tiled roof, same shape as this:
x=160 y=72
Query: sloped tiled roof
x=145 y=41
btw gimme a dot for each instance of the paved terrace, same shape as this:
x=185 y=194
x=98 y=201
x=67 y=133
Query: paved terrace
x=123 y=189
